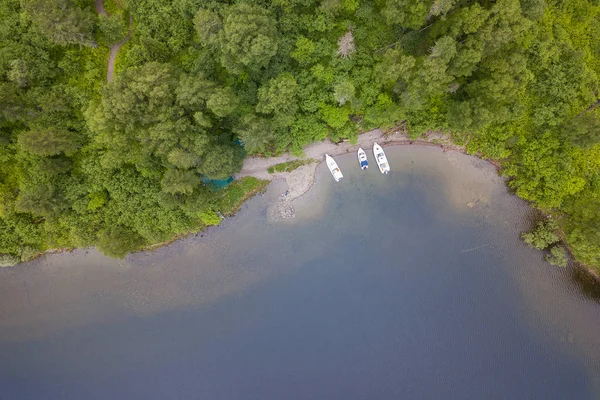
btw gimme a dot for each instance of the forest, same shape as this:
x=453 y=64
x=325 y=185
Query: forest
x=201 y=84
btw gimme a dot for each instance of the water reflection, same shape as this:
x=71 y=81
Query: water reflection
x=585 y=283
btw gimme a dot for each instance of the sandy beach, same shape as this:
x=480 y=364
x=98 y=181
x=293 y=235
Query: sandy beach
x=301 y=179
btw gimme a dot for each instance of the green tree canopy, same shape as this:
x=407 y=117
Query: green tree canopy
x=256 y=133
x=208 y=25
x=583 y=130
x=278 y=96
x=118 y=241
x=249 y=38
x=61 y=21
x=48 y=142
x=176 y=181
x=406 y=13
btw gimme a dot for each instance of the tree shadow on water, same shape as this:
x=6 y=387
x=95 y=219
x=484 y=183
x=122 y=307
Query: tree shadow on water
x=587 y=284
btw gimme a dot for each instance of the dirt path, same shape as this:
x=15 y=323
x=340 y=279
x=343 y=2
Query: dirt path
x=114 y=49
x=100 y=7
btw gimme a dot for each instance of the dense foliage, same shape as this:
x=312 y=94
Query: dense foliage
x=544 y=237
x=122 y=164
x=557 y=256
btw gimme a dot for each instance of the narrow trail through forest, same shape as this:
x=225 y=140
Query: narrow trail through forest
x=100 y=7
x=114 y=49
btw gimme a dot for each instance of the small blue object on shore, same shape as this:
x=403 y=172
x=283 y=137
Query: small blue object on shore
x=217 y=183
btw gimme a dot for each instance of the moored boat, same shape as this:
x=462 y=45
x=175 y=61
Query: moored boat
x=381 y=159
x=362 y=159
x=333 y=168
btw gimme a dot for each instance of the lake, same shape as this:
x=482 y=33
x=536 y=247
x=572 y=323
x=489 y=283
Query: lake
x=413 y=285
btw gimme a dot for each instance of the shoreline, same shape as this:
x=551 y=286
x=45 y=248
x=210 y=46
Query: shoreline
x=300 y=180
x=259 y=188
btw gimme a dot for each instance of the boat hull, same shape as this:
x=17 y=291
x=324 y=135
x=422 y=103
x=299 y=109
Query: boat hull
x=362 y=159
x=333 y=168
x=381 y=159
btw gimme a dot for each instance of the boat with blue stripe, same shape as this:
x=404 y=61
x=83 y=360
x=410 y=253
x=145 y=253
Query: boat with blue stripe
x=362 y=159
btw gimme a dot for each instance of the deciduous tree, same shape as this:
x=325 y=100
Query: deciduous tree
x=61 y=21
x=48 y=142
x=249 y=38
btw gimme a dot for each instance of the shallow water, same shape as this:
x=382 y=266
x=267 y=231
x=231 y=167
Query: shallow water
x=412 y=285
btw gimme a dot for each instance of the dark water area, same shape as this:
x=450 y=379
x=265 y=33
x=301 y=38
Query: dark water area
x=412 y=285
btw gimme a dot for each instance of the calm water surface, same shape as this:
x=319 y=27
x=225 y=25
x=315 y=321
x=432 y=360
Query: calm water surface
x=413 y=285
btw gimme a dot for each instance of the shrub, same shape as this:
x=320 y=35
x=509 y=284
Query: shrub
x=28 y=253
x=117 y=241
x=210 y=217
x=8 y=260
x=557 y=256
x=542 y=236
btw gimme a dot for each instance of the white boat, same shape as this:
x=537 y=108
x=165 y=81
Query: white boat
x=381 y=159
x=333 y=167
x=362 y=159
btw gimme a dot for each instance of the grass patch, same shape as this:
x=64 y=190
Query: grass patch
x=238 y=192
x=290 y=165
